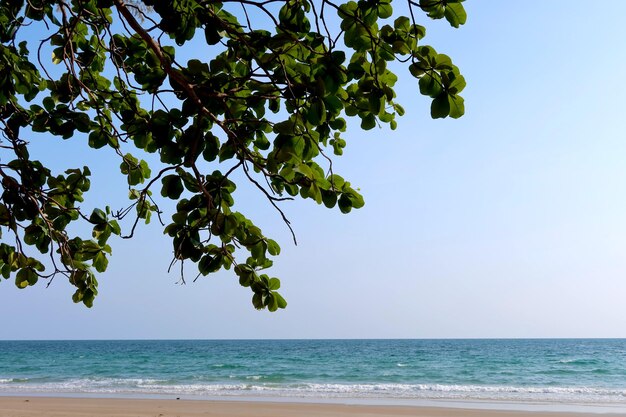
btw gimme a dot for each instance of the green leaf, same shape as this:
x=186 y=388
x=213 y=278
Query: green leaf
x=443 y=62
x=57 y=55
x=271 y=302
x=172 y=187
x=273 y=248
x=457 y=84
x=98 y=216
x=280 y=301
x=88 y=298
x=209 y=264
x=25 y=277
x=430 y=84
x=440 y=107
x=316 y=113
x=457 y=106
x=329 y=198
x=417 y=70
x=368 y=122
x=257 y=301
x=385 y=10
x=345 y=205
x=49 y=103
x=455 y=14
x=274 y=284
x=115 y=227
x=258 y=251
x=100 y=262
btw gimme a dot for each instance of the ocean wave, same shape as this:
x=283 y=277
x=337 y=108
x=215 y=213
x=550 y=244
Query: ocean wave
x=139 y=386
x=226 y=366
x=581 y=361
x=12 y=380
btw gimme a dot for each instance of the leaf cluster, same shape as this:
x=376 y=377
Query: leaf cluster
x=269 y=96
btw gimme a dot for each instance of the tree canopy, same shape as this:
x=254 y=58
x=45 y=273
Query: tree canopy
x=268 y=93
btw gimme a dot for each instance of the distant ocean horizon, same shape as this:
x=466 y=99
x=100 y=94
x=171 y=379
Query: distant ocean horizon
x=550 y=371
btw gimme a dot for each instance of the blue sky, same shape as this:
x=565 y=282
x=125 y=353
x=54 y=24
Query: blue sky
x=510 y=222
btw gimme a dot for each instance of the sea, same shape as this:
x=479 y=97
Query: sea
x=528 y=371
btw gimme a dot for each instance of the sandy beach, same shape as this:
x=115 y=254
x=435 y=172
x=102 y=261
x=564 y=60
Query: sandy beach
x=98 y=407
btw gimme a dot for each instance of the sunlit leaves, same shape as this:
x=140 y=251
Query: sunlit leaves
x=455 y=14
x=136 y=171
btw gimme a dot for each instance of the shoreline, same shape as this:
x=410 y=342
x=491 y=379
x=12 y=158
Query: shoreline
x=57 y=405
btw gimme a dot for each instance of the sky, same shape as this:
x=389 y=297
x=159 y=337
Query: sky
x=509 y=222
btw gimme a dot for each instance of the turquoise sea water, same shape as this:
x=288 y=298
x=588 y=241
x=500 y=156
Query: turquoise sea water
x=561 y=371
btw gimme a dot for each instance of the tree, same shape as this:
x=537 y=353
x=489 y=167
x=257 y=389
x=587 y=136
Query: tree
x=268 y=96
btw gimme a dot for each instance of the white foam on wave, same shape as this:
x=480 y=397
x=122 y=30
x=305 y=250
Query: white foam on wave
x=320 y=390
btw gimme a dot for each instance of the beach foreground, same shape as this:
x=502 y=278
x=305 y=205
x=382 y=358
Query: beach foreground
x=96 y=407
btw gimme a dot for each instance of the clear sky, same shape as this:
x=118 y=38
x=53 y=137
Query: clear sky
x=510 y=222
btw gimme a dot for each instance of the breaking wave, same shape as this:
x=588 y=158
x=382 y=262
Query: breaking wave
x=141 y=386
